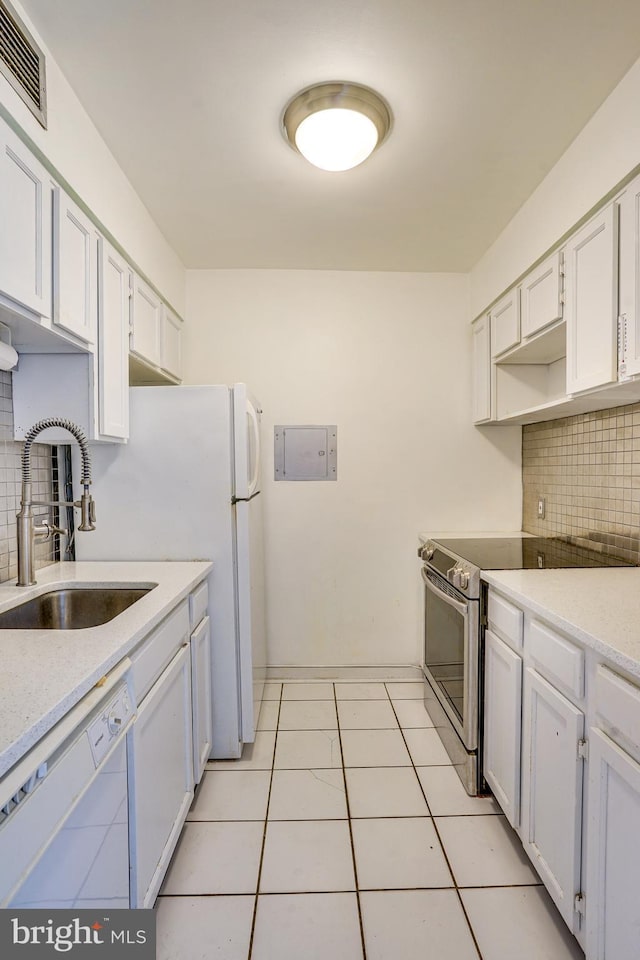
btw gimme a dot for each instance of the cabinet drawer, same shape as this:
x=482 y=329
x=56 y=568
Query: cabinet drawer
x=505 y=619
x=156 y=651
x=505 y=323
x=198 y=604
x=561 y=661
x=618 y=703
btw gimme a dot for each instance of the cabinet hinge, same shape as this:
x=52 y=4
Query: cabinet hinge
x=583 y=749
x=578 y=904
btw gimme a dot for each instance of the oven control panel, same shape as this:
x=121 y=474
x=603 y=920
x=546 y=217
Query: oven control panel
x=459 y=576
x=462 y=575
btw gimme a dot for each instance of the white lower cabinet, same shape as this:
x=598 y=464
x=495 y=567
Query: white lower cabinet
x=161 y=776
x=201 y=696
x=613 y=852
x=502 y=724
x=552 y=774
x=573 y=758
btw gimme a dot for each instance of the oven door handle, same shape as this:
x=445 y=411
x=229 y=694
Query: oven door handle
x=462 y=608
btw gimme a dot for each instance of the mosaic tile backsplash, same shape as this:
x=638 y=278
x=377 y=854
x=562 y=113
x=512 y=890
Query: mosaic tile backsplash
x=10 y=475
x=588 y=470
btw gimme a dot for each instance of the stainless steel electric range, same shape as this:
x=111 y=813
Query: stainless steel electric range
x=454 y=597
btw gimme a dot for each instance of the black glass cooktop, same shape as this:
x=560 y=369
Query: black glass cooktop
x=525 y=553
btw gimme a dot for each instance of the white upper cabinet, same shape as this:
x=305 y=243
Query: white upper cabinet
x=25 y=229
x=146 y=323
x=505 y=323
x=591 y=302
x=156 y=337
x=629 y=346
x=114 y=291
x=481 y=370
x=541 y=296
x=172 y=343
x=75 y=265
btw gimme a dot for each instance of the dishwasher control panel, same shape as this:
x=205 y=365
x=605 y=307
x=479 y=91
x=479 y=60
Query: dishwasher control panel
x=110 y=722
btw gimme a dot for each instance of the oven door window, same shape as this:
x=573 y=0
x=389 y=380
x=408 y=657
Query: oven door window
x=445 y=633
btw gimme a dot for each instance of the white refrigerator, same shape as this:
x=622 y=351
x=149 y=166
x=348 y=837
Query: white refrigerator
x=187 y=487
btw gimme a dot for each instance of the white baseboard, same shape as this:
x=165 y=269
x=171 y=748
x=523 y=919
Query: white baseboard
x=395 y=672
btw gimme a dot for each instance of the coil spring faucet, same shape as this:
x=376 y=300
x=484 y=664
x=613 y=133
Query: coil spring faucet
x=26 y=529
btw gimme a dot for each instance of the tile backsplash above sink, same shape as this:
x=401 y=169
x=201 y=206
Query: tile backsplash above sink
x=587 y=468
x=43 y=483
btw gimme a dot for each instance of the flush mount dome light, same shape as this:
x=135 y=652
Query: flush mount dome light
x=336 y=126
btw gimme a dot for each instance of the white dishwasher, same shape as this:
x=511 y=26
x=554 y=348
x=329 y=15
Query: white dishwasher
x=64 y=828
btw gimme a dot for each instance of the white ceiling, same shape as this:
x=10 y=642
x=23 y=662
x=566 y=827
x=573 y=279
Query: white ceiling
x=486 y=95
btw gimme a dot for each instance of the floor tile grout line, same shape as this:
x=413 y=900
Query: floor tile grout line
x=292 y=893
x=264 y=834
x=353 y=849
x=442 y=847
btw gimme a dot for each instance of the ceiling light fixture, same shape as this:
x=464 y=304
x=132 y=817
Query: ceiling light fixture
x=336 y=126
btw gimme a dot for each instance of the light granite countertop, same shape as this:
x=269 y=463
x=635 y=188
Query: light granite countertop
x=599 y=607
x=43 y=673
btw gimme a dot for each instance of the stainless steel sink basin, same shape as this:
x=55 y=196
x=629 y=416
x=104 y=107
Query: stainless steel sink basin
x=71 y=608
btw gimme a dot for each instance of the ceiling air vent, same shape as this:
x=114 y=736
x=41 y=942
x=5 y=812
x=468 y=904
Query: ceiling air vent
x=22 y=62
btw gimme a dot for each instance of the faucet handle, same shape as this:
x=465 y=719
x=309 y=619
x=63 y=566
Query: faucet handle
x=46 y=529
x=88 y=509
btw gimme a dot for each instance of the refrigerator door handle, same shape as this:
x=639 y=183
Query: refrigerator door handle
x=255 y=479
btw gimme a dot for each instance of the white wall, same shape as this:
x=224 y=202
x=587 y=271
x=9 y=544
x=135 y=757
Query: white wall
x=385 y=356
x=605 y=151
x=76 y=149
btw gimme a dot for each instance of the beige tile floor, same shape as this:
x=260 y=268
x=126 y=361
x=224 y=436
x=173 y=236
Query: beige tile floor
x=344 y=833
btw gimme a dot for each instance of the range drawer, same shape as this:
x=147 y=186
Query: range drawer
x=156 y=650
x=557 y=659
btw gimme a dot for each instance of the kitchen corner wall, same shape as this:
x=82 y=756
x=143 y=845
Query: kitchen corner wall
x=10 y=477
x=588 y=470
x=385 y=356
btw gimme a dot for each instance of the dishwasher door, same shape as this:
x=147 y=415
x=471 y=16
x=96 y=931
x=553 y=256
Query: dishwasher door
x=87 y=862
x=64 y=832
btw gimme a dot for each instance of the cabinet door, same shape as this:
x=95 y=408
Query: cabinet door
x=172 y=344
x=25 y=238
x=75 y=266
x=481 y=370
x=613 y=852
x=502 y=724
x=505 y=323
x=201 y=695
x=552 y=775
x=113 y=355
x=146 y=323
x=161 y=777
x=630 y=280
x=591 y=302
x=541 y=297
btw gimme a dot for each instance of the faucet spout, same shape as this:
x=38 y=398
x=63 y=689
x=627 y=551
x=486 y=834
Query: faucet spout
x=25 y=526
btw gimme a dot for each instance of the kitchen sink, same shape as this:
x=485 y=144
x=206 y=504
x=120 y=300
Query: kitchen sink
x=72 y=608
